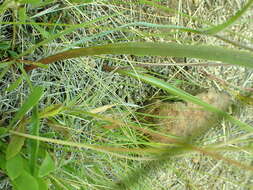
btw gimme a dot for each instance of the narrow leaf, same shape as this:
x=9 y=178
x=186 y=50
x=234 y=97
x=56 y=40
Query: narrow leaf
x=43 y=185
x=230 y=21
x=14 y=85
x=22 y=14
x=64 y=32
x=47 y=166
x=222 y=54
x=51 y=111
x=102 y=108
x=34 y=144
x=32 y=100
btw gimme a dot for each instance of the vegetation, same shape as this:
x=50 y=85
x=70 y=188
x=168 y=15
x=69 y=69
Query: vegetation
x=76 y=75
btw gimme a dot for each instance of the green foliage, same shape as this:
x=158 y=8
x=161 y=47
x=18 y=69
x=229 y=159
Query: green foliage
x=241 y=58
x=16 y=143
x=28 y=142
x=4 y=45
x=47 y=166
x=31 y=101
x=15 y=167
x=26 y=181
x=34 y=145
x=14 y=85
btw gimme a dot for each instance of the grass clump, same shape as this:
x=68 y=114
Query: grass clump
x=74 y=124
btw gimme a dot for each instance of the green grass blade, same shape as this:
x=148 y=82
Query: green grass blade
x=34 y=144
x=15 y=84
x=47 y=166
x=30 y=102
x=64 y=32
x=211 y=30
x=225 y=55
x=229 y=22
x=184 y=95
x=37 y=23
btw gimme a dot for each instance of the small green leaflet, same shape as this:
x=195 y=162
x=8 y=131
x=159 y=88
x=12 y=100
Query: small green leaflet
x=14 y=167
x=16 y=142
x=47 y=166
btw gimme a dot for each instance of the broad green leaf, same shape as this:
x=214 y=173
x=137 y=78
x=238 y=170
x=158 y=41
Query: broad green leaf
x=47 y=166
x=14 y=85
x=26 y=182
x=32 y=100
x=14 y=167
x=16 y=142
x=43 y=185
x=222 y=54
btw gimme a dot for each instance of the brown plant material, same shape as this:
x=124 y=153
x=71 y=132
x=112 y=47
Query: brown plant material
x=187 y=119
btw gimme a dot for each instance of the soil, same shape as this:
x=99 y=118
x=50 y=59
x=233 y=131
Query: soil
x=186 y=118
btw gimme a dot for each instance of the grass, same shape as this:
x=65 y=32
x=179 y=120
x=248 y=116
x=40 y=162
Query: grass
x=85 y=115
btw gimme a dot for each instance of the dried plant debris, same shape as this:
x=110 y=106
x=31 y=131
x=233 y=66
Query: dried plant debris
x=185 y=118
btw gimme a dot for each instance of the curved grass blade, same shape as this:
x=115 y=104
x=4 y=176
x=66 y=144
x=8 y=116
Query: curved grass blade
x=15 y=84
x=30 y=102
x=230 y=21
x=159 y=26
x=225 y=55
x=184 y=95
x=213 y=29
x=99 y=148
